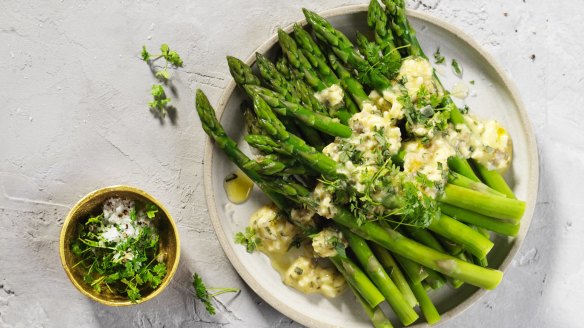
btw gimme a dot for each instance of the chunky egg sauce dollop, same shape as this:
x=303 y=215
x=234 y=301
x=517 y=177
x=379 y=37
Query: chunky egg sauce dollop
x=296 y=261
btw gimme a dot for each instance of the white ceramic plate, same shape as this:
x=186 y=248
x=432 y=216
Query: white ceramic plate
x=495 y=98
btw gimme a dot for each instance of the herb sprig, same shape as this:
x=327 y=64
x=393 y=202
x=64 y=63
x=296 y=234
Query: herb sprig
x=438 y=58
x=172 y=59
x=203 y=294
x=249 y=239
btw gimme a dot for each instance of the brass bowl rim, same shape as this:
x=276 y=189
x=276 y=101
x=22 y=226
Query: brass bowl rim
x=70 y=218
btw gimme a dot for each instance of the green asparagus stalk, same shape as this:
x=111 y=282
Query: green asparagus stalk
x=242 y=73
x=377 y=21
x=462 y=181
x=343 y=48
x=375 y=314
x=313 y=53
x=310 y=156
x=275 y=165
x=350 y=84
x=413 y=270
x=267 y=145
x=395 y=273
x=216 y=132
x=358 y=280
x=461 y=166
x=293 y=91
x=318 y=121
x=482 y=203
x=462 y=234
x=494 y=179
x=380 y=278
x=301 y=63
x=451 y=247
x=428 y=309
x=284 y=68
x=435 y=280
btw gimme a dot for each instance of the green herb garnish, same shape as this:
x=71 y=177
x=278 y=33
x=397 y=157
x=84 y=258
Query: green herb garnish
x=202 y=293
x=172 y=59
x=438 y=58
x=249 y=239
x=127 y=266
x=159 y=102
x=456 y=68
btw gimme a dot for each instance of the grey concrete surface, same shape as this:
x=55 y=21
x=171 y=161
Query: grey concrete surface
x=74 y=118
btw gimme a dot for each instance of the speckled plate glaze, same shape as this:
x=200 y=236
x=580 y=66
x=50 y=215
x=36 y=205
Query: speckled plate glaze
x=492 y=96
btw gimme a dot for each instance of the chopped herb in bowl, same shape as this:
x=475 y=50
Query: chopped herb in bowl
x=118 y=249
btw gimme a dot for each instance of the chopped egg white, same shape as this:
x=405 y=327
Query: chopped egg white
x=331 y=97
x=417 y=72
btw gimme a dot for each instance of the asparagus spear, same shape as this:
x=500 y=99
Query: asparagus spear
x=381 y=279
x=482 y=203
x=395 y=273
x=312 y=52
x=343 y=48
x=350 y=84
x=278 y=82
x=216 y=132
x=462 y=166
x=459 y=233
x=398 y=244
x=377 y=21
x=428 y=309
x=310 y=156
x=244 y=76
x=242 y=73
x=285 y=108
x=297 y=60
x=494 y=179
x=470 y=217
x=375 y=314
x=358 y=280
x=462 y=181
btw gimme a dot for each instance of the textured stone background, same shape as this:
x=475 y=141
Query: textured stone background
x=74 y=118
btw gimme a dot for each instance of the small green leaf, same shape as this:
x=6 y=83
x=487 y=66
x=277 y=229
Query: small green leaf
x=151 y=210
x=438 y=58
x=162 y=75
x=145 y=54
x=249 y=239
x=174 y=59
x=164 y=49
x=202 y=293
x=456 y=68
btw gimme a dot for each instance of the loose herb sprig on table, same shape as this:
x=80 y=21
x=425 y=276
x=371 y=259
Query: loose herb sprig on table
x=202 y=293
x=126 y=267
x=172 y=60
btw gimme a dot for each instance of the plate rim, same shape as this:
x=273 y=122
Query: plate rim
x=533 y=168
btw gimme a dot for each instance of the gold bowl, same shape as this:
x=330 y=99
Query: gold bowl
x=169 y=241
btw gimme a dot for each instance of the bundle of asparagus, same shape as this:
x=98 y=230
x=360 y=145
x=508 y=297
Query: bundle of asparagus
x=310 y=115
